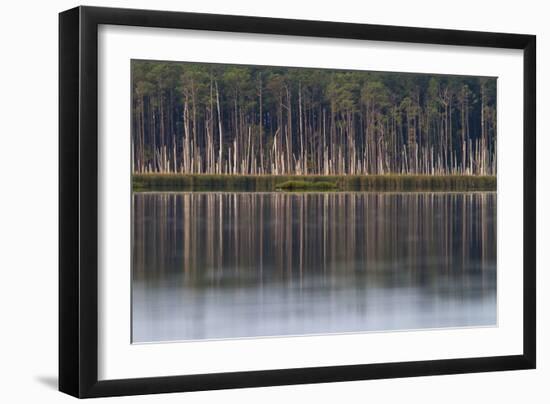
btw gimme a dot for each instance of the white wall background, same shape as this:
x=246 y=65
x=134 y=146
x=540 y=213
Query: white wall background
x=28 y=199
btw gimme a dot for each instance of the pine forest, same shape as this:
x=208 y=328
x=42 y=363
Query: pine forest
x=192 y=118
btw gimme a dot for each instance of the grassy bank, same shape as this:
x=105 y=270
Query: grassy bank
x=202 y=182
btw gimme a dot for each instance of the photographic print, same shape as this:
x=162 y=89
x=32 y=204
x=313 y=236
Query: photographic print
x=285 y=201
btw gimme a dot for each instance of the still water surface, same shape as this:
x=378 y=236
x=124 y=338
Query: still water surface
x=232 y=265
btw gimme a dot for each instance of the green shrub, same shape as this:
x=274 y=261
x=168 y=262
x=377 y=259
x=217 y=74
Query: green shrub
x=306 y=185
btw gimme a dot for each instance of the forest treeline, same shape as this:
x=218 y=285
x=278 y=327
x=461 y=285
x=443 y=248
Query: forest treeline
x=196 y=118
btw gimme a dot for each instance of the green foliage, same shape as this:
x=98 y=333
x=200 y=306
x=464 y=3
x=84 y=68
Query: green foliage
x=306 y=186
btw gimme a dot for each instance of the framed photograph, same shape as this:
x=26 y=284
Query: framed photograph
x=251 y=201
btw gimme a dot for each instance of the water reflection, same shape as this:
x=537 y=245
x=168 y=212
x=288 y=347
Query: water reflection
x=224 y=265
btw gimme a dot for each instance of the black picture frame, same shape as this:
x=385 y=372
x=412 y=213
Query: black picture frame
x=78 y=201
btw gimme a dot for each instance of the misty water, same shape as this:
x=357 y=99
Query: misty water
x=233 y=265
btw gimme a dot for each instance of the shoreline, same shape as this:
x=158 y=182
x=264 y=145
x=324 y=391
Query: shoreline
x=269 y=183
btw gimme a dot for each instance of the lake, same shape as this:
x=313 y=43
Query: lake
x=210 y=265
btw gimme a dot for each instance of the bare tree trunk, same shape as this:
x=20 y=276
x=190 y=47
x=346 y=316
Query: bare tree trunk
x=220 y=156
x=261 y=126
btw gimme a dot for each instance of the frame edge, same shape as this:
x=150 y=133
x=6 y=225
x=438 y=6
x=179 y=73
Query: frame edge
x=69 y=80
x=529 y=201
